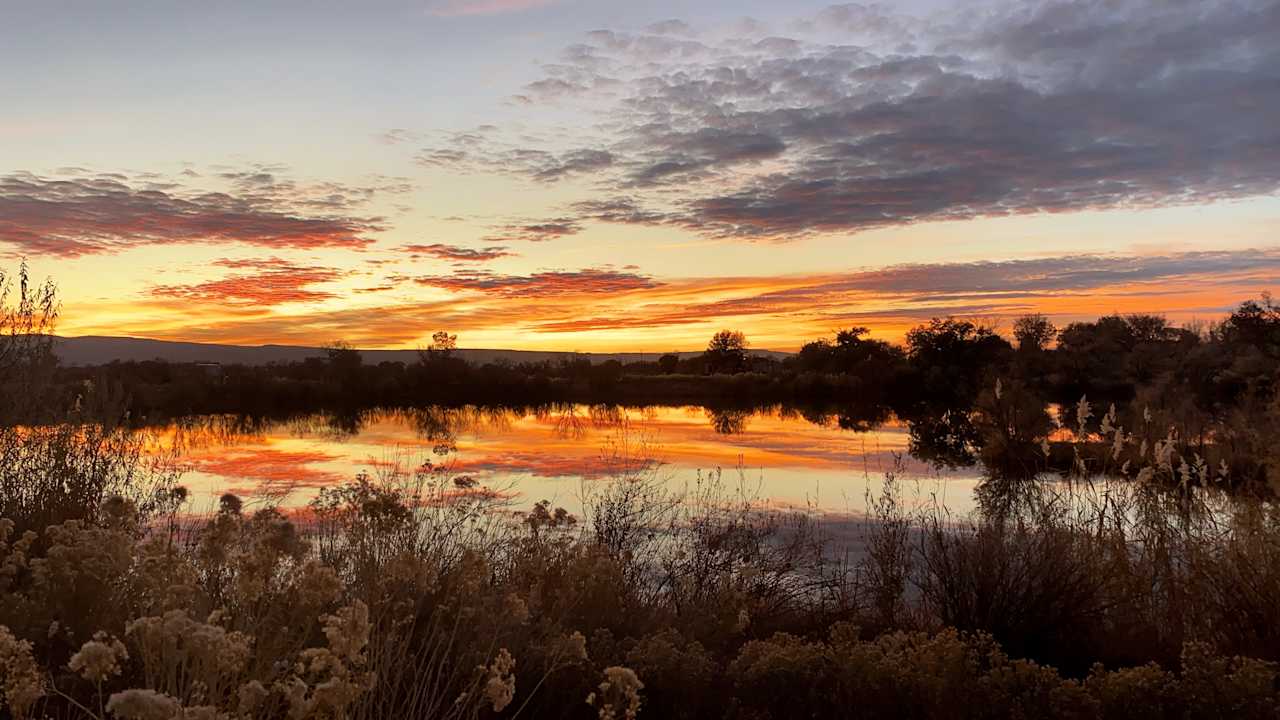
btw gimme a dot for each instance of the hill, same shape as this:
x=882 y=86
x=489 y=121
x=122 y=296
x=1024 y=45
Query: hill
x=98 y=350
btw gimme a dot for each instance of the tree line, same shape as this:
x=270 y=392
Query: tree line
x=1214 y=384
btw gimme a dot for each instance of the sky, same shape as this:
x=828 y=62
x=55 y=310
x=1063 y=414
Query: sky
x=606 y=175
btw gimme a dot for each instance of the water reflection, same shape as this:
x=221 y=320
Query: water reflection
x=945 y=440
x=795 y=457
x=729 y=422
x=813 y=458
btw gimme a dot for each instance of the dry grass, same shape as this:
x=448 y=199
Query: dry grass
x=419 y=594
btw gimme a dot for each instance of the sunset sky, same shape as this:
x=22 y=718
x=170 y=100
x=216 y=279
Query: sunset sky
x=620 y=175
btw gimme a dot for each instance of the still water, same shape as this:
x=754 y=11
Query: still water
x=778 y=457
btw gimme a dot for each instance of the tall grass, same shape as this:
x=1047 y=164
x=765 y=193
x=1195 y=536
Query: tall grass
x=416 y=593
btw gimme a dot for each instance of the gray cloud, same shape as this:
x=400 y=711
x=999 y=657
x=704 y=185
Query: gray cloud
x=549 y=284
x=456 y=253
x=88 y=214
x=536 y=230
x=1047 y=106
x=477 y=152
x=1045 y=275
x=920 y=291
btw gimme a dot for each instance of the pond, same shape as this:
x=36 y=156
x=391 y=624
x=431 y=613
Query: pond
x=777 y=457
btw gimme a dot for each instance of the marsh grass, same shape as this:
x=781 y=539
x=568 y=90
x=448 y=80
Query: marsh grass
x=416 y=592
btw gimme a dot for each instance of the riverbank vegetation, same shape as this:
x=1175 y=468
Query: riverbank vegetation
x=967 y=392
x=944 y=362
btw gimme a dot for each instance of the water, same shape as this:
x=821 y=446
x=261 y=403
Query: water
x=776 y=456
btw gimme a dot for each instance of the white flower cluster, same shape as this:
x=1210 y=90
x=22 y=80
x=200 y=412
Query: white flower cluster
x=20 y=677
x=99 y=658
x=204 y=652
x=500 y=681
x=327 y=681
x=619 y=693
x=347 y=631
x=140 y=704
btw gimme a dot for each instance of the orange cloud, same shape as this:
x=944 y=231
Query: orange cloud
x=276 y=282
x=607 y=309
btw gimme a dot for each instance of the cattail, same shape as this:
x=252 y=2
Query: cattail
x=1109 y=420
x=1083 y=413
x=1117 y=444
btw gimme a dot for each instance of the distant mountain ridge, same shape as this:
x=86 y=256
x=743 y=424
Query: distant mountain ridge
x=99 y=350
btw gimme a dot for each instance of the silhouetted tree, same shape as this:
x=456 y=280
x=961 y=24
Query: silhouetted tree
x=443 y=343
x=856 y=353
x=727 y=352
x=1108 y=358
x=1243 y=358
x=1033 y=362
x=815 y=356
x=438 y=366
x=1034 y=333
x=1255 y=324
x=951 y=358
x=668 y=363
x=344 y=367
x=602 y=377
x=875 y=367
x=1091 y=356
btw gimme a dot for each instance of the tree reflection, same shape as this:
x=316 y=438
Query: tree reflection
x=728 y=422
x=946 y=440
x=569 y=424
x=440 y=425
x=339 y=425
x=606 y=417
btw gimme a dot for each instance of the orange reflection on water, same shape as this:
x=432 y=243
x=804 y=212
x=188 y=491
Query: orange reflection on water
x=775 y=457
